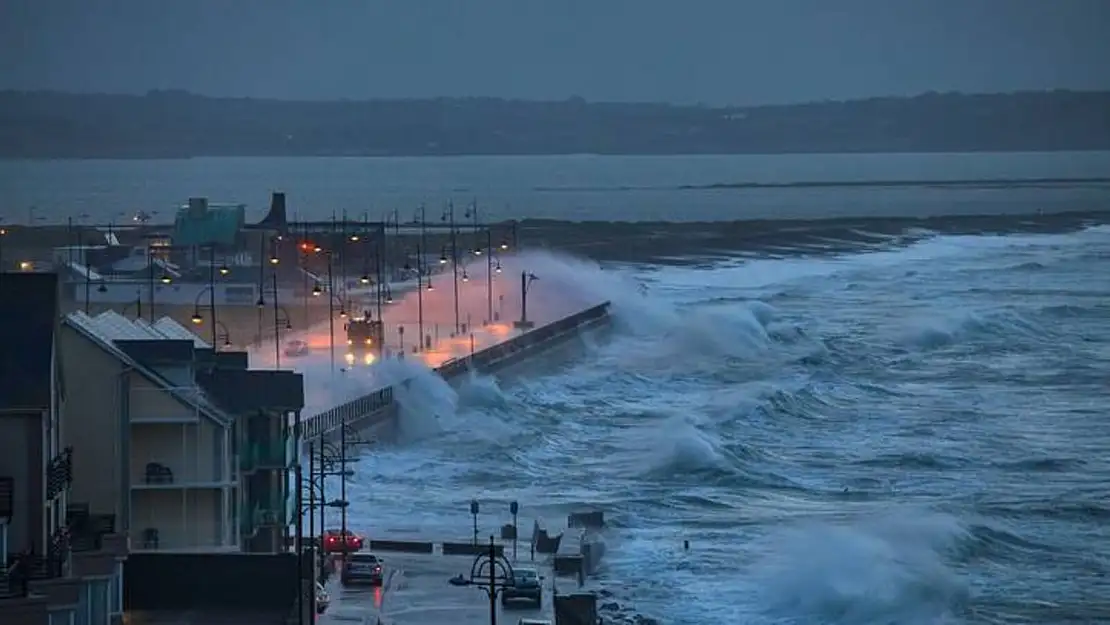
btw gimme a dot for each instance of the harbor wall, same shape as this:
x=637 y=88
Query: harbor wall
x=378 y=410
x=527 y=344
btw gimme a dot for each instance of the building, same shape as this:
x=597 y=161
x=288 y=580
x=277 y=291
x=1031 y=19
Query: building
x=190 y=449
x=61 y=564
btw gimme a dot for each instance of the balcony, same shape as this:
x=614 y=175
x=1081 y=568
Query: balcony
x=176 y=457
x=188 y=520
x=59 y=473
x=267 y=457
x=23 y=572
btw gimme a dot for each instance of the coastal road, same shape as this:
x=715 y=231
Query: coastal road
x=416 y=592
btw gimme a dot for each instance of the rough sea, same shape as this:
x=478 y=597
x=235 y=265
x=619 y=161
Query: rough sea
x=907 y=433
x=874 y=422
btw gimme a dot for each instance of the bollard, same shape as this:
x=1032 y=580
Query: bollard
x=514 y=508
x=474 y=513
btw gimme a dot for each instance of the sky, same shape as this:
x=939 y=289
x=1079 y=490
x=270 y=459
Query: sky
x=721 y=52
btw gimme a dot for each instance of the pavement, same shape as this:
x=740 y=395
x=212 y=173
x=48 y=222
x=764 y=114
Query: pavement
x=328 y=383
x=416 y=592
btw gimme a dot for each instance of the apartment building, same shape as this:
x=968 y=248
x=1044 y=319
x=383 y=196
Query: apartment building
x=59 y=564
x=190 y=449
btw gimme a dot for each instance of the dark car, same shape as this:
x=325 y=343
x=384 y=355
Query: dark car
x=362 y=569
x=526 y=587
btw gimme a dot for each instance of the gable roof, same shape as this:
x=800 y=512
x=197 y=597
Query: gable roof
x=28 y=318
x=109 y=327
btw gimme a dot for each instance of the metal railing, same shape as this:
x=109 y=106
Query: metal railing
x=59 y=473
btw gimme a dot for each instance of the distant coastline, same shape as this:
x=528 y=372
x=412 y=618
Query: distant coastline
x=175 y=125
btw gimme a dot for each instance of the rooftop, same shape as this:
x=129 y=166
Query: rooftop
x=111 y=326
x=113 y=332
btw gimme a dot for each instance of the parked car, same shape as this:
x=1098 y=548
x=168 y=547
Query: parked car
x=296 y=348
x=336 y=541
x=362 y=569
x=526 y=587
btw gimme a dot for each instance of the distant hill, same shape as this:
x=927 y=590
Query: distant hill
x=178 y=124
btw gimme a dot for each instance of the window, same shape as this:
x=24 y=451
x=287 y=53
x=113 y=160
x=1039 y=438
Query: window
x=62 y=617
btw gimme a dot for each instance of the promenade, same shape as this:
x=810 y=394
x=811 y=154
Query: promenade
x=487 y=306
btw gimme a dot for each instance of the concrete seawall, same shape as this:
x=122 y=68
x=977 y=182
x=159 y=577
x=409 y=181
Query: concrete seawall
x=527 y=344
x=377 y=411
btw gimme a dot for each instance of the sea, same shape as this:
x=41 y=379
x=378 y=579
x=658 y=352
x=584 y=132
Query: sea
x=895 y=412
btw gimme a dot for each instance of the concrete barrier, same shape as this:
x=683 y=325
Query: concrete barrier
x=470 y=549
x=578 y=608
x=502 y=353
x=568 y=565
x=402 y=546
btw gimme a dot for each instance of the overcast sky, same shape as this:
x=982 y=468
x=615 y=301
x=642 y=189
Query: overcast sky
x=713 y=51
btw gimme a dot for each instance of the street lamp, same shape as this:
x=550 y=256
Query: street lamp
x=526 y=280
x=449 y=216
x=491 y=573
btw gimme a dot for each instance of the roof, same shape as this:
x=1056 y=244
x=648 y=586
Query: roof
x=109 y=327
x=28 y=317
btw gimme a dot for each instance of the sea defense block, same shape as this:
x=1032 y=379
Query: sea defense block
x=471 y=549
x=402 y=546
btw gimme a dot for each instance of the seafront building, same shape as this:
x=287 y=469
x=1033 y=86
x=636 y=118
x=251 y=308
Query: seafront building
x=62 y=562
x=186 y=443
x=129 y=445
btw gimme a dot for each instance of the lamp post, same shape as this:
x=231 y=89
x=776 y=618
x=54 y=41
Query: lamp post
x=210 y=288
x=299 y=539
x=421 y=249
x=526 y=280
x=489 y=276
x=165 y=279
x=491 y=573
x=449 y=216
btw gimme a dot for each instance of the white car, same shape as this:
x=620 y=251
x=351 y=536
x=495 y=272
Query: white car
x=322 y=599
x=296 y=348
